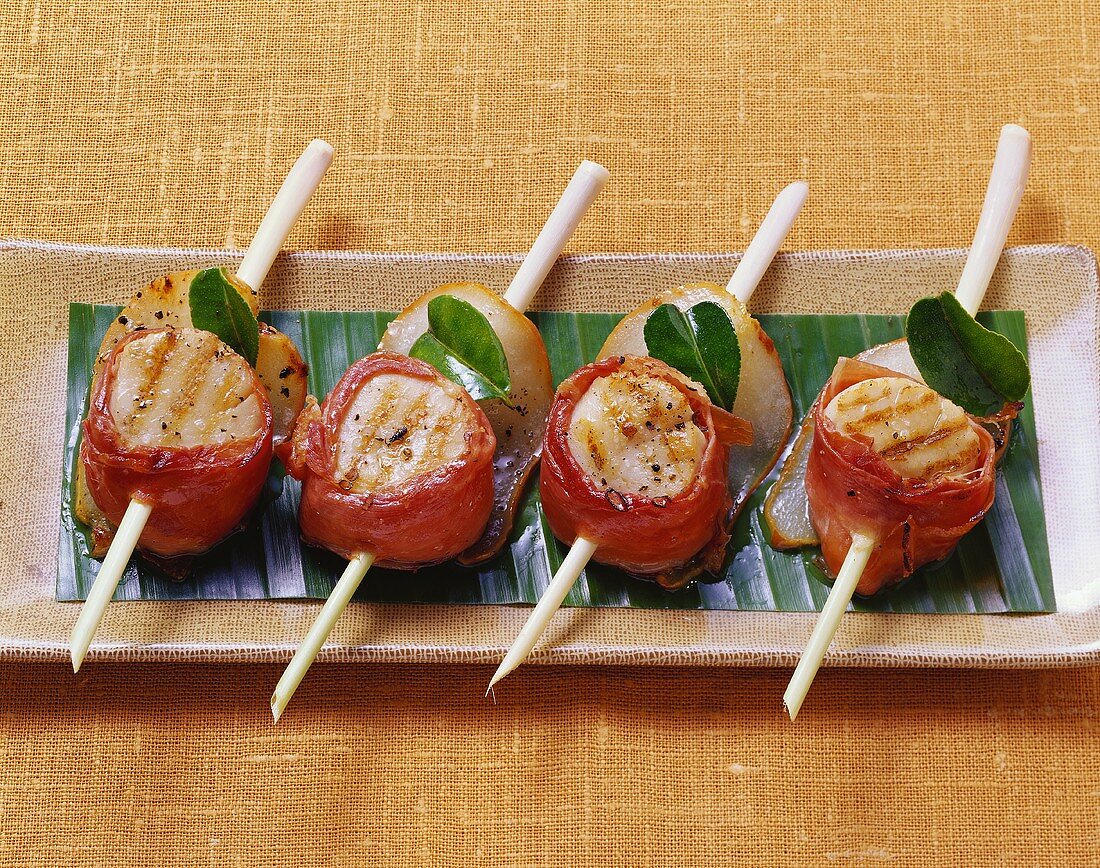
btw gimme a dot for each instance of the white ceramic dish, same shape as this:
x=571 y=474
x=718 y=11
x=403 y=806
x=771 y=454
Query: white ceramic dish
x=1055 y=285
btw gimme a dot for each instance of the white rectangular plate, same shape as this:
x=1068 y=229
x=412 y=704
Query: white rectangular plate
x=1055 y=286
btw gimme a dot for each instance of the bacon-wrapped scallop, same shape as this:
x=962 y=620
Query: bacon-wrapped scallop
x=893 y=460
x=635 y=460
x=397 y=462
x=182 y=423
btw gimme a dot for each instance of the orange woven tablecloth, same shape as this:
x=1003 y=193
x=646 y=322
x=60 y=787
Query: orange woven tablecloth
x=455 y=127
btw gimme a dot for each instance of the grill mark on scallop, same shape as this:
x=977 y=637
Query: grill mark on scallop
x=399 y=427
x=915 y=430
x=191 y=368
x=161 y=351
x=866 y=421
x=183 y=388
x=636 y=433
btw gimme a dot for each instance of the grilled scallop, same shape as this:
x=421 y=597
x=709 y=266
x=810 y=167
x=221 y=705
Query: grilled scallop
x=763 y=397
x=397 y=461
x=399 y=427
x=919 y=433
x=634 y=433
x=519 y=424
x=895 y=461
x=182 y=423
x=182 y=388
x=635 y=460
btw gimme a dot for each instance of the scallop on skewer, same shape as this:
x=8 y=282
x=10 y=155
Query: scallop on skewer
x=400 y=465
x=640 y=470
x=896 y=473
x=181 y=428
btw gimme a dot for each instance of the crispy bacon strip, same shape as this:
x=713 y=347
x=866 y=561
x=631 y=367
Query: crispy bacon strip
x=851 y=488
x=413 y=523
x=199 y=494
x=668 y=539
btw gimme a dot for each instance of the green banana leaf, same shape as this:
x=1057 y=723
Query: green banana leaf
x=1002 y=566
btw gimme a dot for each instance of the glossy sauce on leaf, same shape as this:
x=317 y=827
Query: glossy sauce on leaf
x=520 y=422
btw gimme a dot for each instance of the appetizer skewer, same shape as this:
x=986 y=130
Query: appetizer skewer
x=673 y=460
x=518 y=417
x=896 y=473
x=179 y=424
x=396 y=444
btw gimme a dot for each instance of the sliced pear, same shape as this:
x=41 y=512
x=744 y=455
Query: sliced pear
x=786 y=507
x=164 y=302
x=283 y=372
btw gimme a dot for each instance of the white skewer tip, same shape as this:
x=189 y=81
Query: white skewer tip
x=579 y=194
x=319 y=632
x=110 y=573
x=1002 y=198
x=549 y=603
x=285 y=209
x=767 y=240
x=828 y=621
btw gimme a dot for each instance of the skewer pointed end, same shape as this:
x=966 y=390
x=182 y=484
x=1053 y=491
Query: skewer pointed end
x=277 y=707
x=498 y=676
x=77 y=657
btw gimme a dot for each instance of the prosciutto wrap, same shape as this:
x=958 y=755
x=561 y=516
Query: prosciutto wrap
x=415 y=522
x=851 y=488
x=199 y=494
x=668 y=539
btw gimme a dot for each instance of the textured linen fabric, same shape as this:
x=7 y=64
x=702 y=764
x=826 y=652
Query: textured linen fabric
x=456 y=127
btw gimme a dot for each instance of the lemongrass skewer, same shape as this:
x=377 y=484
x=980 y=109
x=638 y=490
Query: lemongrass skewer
x=1002 y=198
x=578 y=195
x=828 y=621
x=107 y=579
x=746 y=277
x=330 y=613
x=580 y=553
x=767 y=240
x=286 y=207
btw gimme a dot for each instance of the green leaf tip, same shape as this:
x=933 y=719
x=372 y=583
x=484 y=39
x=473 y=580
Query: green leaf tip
x=217 y=307
x=461 y=344
x=978 y=369
x=700 y=343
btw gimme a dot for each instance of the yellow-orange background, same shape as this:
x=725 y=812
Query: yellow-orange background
x=455 y=128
